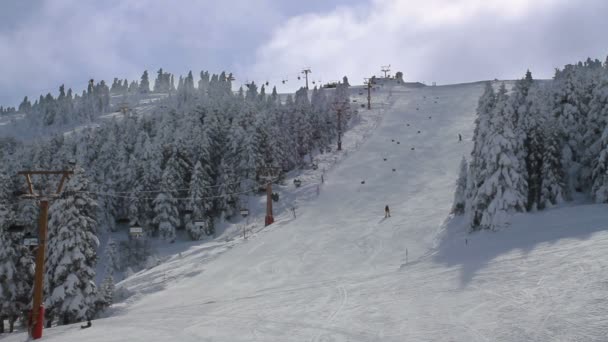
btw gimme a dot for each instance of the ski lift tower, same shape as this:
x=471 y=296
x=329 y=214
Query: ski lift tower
x=269 y=173
x=36 y=322
x=306 y=71
x=369 y=82
x=340 y=106
x=386 y=69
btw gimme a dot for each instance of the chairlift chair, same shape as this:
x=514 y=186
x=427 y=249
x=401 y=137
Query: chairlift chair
x=123 y=220
x=30 y=241
x=16 y=228
x=136 y=230
x=19 y=193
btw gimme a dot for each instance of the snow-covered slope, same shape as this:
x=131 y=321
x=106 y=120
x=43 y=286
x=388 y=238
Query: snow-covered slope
x=341 y=272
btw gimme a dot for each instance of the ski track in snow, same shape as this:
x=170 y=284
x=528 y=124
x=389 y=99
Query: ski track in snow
x=337 y=272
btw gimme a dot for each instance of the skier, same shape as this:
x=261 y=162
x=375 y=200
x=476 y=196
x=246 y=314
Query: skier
x=387 y=212
x=89 y=324
x=459 y=137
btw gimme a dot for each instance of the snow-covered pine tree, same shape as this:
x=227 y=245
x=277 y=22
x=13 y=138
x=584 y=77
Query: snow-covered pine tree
x=203 y=83
x=530 y=104
x=553 y=186
x=461 y=184
x=200 y=189
x=166 y=219
x=288 y=137
x=9 y=256
x=144 y=85
x=303 y=127
x=166 y=215
x=134 y=203
x=345 y=81
x=72 y=255
x=504 y=190
x=262 y=97
x=569 y=111
x=105 y=297
x=227 y=188
x=112 y=257
x=8 y=271
x=152 y=175
x=597 y=120
x=522 y=125
x=24 y=278
x=597 y=153
x=477 y=166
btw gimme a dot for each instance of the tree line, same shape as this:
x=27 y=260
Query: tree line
x=193 y=156
x=537 y=145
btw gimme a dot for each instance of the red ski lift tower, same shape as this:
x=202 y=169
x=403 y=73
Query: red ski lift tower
x=36 y=322
x=269 y=173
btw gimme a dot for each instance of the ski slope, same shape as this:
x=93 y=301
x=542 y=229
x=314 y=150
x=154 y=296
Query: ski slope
x=340 y=271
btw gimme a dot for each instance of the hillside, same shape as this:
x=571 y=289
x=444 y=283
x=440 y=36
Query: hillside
x=340 y=271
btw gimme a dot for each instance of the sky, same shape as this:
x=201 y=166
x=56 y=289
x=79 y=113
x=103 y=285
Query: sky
x=46 y=43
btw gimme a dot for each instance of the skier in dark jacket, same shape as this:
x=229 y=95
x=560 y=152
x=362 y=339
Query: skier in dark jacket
x=387 y=212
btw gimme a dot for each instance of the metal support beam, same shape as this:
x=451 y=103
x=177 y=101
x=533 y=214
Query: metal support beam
x=36 y=322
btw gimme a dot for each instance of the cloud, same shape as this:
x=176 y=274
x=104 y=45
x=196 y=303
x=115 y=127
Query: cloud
x=446 y=41
x=69 y=41
x=44 y=43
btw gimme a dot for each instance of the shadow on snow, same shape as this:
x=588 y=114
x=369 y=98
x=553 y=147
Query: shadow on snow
x=527 y=232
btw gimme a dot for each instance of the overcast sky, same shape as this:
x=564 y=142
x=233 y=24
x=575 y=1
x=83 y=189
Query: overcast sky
x=44 y=43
